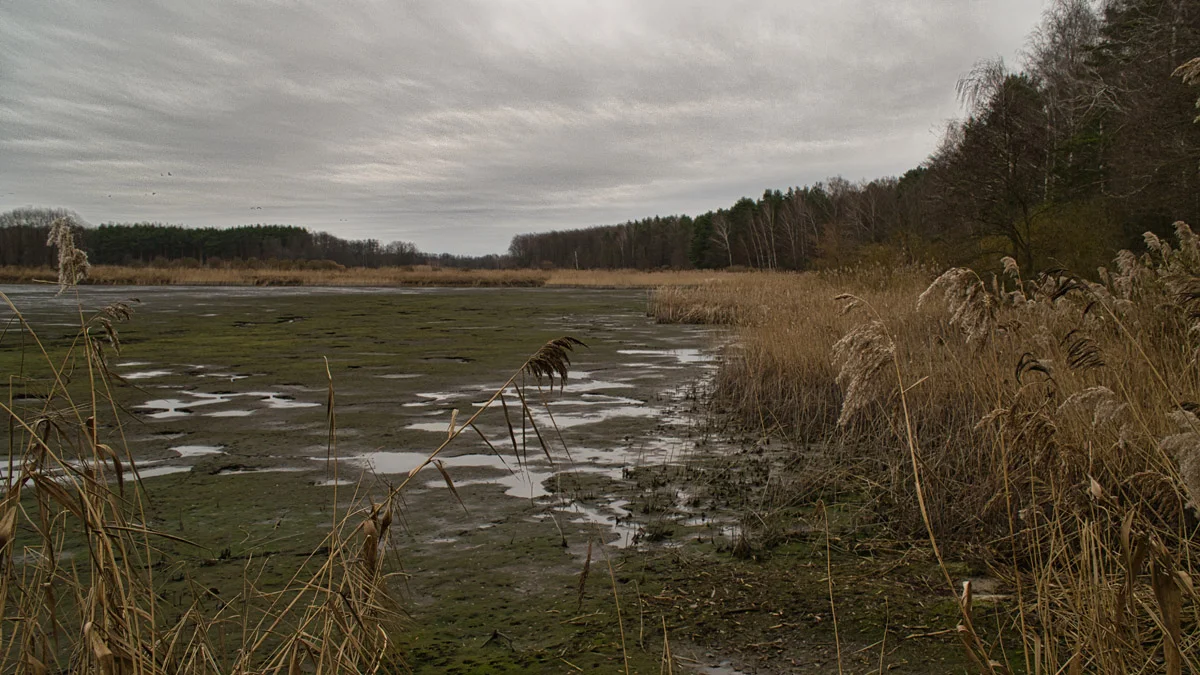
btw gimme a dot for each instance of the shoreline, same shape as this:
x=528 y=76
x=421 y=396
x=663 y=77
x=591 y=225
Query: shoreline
x=382 y=277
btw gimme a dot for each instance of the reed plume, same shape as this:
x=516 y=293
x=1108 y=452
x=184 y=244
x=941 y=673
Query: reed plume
x=864 y=355
x=73 y=263
x=964 y=295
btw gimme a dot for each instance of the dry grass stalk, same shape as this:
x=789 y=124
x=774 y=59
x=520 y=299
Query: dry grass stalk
x=837 y=639
x=72 y=263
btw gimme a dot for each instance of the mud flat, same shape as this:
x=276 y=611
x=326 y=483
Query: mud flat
x=227 y=389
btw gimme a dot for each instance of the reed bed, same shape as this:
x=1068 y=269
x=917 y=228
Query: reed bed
x=640 y=278
x=1047 y=426
x=421 y=275
x=228 y=276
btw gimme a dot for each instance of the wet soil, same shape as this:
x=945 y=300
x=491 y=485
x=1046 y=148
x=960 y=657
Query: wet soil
x=226 y=392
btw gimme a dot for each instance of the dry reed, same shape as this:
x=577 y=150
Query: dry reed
x=420 y=275
x=1046 y=424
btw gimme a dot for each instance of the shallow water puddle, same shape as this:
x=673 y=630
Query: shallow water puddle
x=144 y=470
x=563 y=419
x=161 y=470
x=680 y=355
x=432 y=427
x=597 y=399
x=172 y=407
x=146 y=374
x=197 y=450
x=595 y=385
x=521 y=482
x=282 y=401
x=613 y=516
x=264 y=469
x=167 y=408
x=209 y=398
x=524 y=483
x=566 y=420
x=404 y=462
x=274 y=399
x=429 y=398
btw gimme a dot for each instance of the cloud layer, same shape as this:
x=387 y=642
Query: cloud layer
x=457 y=124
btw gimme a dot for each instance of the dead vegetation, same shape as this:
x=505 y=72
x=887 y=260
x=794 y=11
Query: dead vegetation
x=418 y=275
x=1045 y=425
x=267 y=276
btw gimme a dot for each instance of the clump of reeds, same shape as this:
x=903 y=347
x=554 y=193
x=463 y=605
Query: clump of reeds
x=1049 y=420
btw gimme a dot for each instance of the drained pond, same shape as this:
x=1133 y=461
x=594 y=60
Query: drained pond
x=565 y=524
x=227 y=394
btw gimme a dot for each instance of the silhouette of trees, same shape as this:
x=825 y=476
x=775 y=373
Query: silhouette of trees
x=1064 y=161
x=23 y=235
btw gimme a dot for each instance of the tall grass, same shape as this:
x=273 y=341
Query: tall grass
x=1047 y=425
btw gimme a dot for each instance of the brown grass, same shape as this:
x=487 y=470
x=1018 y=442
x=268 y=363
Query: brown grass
x=640 y=278
x=421 y=275
x=359 y=276
x=1047 y=425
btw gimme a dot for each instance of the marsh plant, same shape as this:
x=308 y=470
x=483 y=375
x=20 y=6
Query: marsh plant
x=1046 y=426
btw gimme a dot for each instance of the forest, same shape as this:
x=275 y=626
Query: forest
x=1060 y=163
x=23 y=242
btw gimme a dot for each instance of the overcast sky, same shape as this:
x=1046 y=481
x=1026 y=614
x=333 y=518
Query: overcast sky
x=455 y=125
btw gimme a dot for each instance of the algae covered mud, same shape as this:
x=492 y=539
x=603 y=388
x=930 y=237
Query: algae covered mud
x=589 y=533
x=227 y=393
x=234 y=380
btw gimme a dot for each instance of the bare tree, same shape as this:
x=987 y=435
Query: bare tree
x=721 y=233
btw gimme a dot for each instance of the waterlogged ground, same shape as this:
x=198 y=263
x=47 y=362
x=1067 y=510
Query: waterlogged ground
x=226 y=392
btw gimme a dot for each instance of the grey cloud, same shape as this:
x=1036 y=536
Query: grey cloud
x=458 y=124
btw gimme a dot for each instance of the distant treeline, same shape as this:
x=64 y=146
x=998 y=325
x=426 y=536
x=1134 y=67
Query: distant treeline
x=23 y=235
x=1062 y=163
